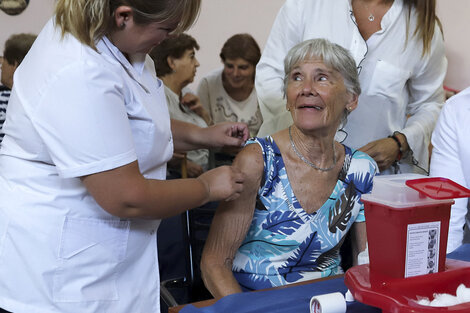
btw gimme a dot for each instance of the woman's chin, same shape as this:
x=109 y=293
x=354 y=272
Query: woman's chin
x=238 y=84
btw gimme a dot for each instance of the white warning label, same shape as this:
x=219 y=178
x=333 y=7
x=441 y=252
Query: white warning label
x=422 y=248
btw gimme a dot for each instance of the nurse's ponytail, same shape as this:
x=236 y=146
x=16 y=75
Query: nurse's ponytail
x=90 y=20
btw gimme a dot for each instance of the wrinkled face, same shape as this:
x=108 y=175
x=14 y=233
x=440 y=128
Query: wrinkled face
x=185 y=67
x=238 y=73
x=317 y=96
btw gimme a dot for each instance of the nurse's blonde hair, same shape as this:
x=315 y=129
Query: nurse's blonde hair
x=90 y=20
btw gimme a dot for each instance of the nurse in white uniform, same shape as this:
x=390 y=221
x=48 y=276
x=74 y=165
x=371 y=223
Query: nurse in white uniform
x=83 y=161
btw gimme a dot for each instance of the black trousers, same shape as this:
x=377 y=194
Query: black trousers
x=3 y=311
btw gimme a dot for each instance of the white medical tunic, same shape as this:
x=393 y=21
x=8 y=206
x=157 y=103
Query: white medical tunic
x=401 y=89
x=450 y=158
x=75 y=111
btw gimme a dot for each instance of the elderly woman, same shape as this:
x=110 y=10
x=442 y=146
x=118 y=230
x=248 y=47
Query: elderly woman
x=176 y=64
x=399 y=49
x=303 y=189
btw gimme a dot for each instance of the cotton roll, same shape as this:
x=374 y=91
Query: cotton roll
x=328 y=303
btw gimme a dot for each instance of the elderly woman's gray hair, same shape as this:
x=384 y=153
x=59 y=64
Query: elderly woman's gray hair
x=332 y=55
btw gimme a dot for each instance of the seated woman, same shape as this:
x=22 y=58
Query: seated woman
x=175 y=64
x=229 y=94
x=302 y=190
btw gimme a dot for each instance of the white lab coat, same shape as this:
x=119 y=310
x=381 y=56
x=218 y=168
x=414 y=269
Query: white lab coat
x=74 y=112
x=450 y=157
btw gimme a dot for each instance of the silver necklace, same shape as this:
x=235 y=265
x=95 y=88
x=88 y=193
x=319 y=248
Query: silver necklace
x=307 y=161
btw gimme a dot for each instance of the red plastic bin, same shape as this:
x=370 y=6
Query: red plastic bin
x=407 y=221
x=406 y=230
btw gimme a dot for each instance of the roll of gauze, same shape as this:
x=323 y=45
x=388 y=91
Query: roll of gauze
x=328 y=303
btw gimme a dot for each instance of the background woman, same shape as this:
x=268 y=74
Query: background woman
x=399 y=51
x=302 y=189
x=16 y=47
x=176 y=64
x=229 y=94
x=83 y=161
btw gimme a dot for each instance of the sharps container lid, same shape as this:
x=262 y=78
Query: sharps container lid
x=439 y=188
x=393 y=191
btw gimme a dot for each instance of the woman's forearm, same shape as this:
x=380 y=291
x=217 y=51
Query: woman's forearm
x=125 y=193
x=219 y=279
x=359 y=239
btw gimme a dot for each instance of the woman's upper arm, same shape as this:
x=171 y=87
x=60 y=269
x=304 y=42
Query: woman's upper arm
x=233 y=219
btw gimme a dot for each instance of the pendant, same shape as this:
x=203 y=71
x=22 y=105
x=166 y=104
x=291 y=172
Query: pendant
x=371 y=17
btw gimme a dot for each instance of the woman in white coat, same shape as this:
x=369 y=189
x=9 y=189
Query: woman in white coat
x=449 y=158
x=83 y=161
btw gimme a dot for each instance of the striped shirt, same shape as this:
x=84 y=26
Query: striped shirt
x=4 y=96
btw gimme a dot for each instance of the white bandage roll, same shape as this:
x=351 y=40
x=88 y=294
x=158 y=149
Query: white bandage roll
x=328 y=303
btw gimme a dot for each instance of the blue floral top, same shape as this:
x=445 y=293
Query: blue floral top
x=285 y=244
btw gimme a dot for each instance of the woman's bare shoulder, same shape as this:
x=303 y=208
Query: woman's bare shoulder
x=250 y=160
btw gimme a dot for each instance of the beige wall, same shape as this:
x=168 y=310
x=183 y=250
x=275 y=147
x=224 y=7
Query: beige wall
x=220 y=19
x=454 y=15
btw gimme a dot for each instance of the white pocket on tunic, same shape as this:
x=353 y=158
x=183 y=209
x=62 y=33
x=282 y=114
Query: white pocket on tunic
x=89 y=253
x=388 y=80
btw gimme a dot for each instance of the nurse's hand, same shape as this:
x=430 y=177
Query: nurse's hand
x=223 y=183
x=227 y=134
x=187 y=136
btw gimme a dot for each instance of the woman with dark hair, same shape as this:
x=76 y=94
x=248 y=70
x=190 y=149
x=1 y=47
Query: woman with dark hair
x=83 y=161
x=16 y=47
x=176 y=64
x=229 y=94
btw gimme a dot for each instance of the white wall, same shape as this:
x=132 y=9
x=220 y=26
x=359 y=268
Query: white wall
x=220 y=19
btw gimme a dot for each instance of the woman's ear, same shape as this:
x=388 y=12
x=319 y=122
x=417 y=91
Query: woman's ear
x=123 y=15
x=352 y=102
x=171 y=62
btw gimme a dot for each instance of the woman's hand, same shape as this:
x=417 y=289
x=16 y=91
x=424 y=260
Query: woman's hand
x=223 y=183
x=227 y=134
x=194 y=169
x=194 y=104
x=384 y=151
